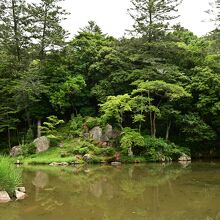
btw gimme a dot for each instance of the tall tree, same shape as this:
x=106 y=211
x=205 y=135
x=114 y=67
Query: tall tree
x=46 y=30
x=214 y=12
x=152 y=17
x=12 y=27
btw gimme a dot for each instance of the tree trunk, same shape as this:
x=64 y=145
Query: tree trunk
x=42 y=49
x=9 y=138
x=151 y=122
x=150 y=25
x=28 y=118
x=15 y=29
x=38 y=128
x=154 y=124
x=168 y=130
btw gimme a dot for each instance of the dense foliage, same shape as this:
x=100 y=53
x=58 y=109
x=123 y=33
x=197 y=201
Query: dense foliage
x=10 y=177
x=161 y=81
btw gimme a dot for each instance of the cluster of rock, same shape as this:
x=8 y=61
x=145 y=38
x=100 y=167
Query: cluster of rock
x=42 y=144
x=184 y=157
x=19 y=194
x=102 y=135
x=54 y=164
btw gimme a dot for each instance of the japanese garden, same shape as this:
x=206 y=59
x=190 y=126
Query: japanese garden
x=98 y=127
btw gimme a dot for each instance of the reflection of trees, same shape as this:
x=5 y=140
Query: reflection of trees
x=132 y=189
x=126 y=192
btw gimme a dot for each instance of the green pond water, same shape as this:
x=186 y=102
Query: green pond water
x=130 y=192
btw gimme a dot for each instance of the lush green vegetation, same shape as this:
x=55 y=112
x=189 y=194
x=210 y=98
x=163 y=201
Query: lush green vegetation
x=10 y=177
x=160 y=89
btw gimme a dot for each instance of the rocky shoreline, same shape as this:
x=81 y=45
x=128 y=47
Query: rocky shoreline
x=19 y=194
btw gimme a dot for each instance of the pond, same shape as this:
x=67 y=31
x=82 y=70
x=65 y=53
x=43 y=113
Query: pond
x=130 y=192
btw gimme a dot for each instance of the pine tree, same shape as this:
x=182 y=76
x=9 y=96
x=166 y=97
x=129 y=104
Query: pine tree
x=152 y=17
x=12 y=27
x=45 y=29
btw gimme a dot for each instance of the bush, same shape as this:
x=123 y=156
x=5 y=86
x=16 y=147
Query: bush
x=80 y=150
x=49 y=128
x=78 y=146
x=91 y=122
x=76 y=125
x=29 y=136
x=28 y=149
x=10 y=177
x=107 y=151
x=131 y=139
x=157 y=148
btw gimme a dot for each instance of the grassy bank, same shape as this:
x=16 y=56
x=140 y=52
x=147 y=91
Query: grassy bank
x=10 y=176
x=77 y=150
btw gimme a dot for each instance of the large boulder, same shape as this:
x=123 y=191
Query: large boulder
x=4 y=197
x=108 y=131
x=107 y=134
x=184 y=157
x=42 y=144
x=96 y=133
x=16 y=151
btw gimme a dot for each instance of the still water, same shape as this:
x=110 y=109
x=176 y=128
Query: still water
x=127 y=192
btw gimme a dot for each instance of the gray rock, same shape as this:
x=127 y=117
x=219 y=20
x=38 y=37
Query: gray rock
x=115 y=163
x=86 y=135
x=16 y=151
x=87 y=157
x=4 y=197
x=59 y=164
x=108 y=133
x=104 y=138
x=184 y=157
x=42 y=144
x=96 y=133
x=19 y=195
x=130 y=152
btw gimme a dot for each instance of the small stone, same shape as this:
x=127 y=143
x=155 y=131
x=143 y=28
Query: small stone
x=115 y=163
x=79 y=157
x=59 y=164
x=54 y=164
x=184 y=157
x=19 y=195
x=87 y=157
x=4 y=197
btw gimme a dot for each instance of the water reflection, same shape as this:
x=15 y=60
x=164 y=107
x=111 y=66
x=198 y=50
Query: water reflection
x=151 y=191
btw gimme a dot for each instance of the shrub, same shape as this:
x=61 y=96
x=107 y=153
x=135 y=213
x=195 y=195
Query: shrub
x=157 y=148
x=29 y=136
x=49 y=127
x=76 y=125
x=28 y=149
x=79 y=147
x=107 y=151
x=79 y=150
x=91 y=122
x=131 y=139
x=10 y=177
